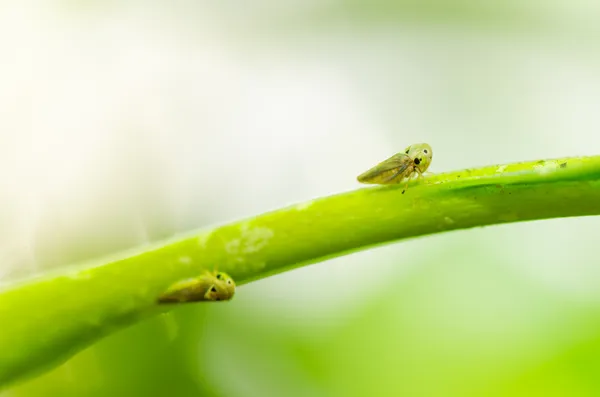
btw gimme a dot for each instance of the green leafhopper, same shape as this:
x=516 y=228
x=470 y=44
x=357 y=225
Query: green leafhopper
x=210 y=286
x=414 y=160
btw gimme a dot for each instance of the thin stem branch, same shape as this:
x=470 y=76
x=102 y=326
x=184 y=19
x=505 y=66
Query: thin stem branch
x=47 y=319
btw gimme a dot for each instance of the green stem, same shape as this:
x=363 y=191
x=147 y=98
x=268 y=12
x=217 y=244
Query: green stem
x=48 y=319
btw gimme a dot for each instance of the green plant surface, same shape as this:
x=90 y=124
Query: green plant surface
x=49 y=318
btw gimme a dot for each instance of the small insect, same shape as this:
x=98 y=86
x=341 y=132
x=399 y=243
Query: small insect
x=210 y=286
x=414 y=160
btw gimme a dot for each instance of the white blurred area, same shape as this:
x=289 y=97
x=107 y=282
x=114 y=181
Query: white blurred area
x=127 y=122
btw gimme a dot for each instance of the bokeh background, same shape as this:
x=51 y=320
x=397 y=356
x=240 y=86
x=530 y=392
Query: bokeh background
x=124 y=122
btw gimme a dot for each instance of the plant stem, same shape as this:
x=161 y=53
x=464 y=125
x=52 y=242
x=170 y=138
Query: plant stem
x=47 y=319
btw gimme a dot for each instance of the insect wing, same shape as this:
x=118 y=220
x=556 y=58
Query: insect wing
x=190 y=290
x=388 y=171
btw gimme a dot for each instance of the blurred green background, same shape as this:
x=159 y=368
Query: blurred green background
x=126 y=122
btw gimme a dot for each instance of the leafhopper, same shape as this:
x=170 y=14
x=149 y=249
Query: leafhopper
x=210 y=286
x=402 y=166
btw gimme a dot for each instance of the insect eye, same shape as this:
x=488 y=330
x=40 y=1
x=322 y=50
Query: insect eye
x=425 y=151
x=219 y=276
x=229 y=282
x=417 y=161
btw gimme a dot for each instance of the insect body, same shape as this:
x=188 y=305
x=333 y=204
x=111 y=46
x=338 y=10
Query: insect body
x=414 y=160
x=210 y=286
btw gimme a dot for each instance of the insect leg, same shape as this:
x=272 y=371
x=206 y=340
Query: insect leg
x=420 y=176
x=211 y=292
x=407 y=180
